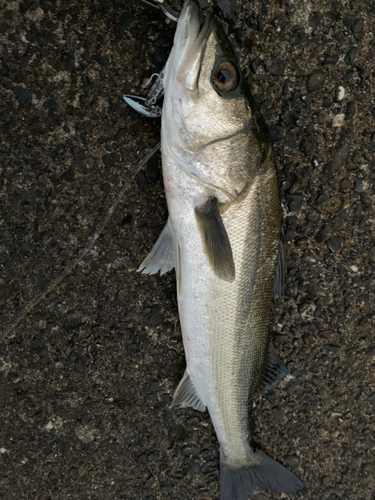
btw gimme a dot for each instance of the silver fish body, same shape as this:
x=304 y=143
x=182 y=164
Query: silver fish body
x=224 y=223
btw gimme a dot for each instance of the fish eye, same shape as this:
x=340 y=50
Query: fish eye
x=225 y=77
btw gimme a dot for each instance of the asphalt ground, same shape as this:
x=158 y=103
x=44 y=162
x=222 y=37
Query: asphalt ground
x=86 y=376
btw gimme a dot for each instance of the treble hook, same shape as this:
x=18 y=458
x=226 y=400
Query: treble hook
x=147 y=106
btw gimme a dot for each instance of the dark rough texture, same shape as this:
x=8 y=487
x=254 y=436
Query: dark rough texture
x=277 y=68
x=86 y=378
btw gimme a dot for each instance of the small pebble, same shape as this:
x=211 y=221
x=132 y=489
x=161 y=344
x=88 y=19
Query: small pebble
x=350 y=56
x=292 y=461
x=358 y=187
x=153 y=457
x=155 y=319
x=51 y=105
x=149 y=482
x=300 y=242
x=295 y=202
x=351 y=110
x=190 y=451
x=340 y=94
x=338 y=120
x=254 y=65
x=321 y=235
x=303 y=307
x=277 y=68
x=106 y=187
x=23 y=96
x=315 y=80
x=331 y=59
x=334 y=244
x=339 y=219
x=326 y=480
x=364 y=303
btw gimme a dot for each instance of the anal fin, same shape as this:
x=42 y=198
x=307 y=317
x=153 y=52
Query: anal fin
x=274 y=370
x=186 y=395
x=161 y=256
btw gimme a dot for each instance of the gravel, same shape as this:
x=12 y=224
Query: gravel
x=87 y=375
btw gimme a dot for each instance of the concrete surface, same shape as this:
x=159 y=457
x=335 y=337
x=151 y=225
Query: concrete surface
x=86 y=377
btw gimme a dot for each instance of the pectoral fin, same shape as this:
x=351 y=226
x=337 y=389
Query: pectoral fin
x=161 y=256
x=215 y=240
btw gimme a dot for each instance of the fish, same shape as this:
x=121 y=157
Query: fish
x=223 y=237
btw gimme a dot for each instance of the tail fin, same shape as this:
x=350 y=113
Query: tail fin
x=268 y=475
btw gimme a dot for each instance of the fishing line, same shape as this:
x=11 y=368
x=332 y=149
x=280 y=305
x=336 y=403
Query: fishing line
x=84 y=252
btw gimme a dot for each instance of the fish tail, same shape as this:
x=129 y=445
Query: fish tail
x=267 y=475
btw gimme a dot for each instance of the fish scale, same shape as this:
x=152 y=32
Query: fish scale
x=224 y=225
x=230 y=315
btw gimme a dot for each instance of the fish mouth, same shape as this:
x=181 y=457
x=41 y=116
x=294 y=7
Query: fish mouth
x=191 y=38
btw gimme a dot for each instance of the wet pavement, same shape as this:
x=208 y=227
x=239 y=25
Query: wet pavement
x=86 y=376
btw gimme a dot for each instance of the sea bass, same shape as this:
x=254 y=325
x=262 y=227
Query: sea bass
x=222 y=236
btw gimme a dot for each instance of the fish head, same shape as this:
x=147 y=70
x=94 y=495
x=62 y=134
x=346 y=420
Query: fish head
x=206 y=102
x=203 y=82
